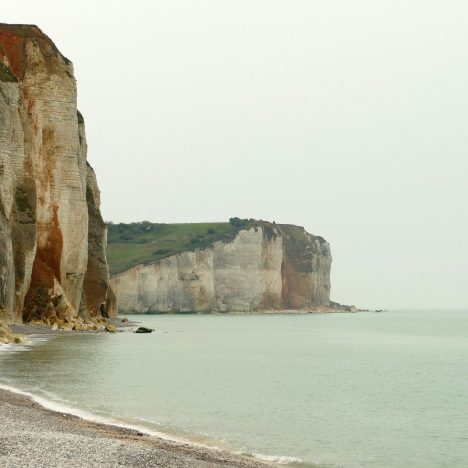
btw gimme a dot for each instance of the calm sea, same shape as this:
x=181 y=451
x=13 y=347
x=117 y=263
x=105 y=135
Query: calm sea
x=341 y=390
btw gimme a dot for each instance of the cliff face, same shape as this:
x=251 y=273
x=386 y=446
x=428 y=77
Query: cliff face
x=52 y=237
x=268 y=267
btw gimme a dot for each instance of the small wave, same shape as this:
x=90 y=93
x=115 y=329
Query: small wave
x=29 y=342
x=59 y=405
x=279 y=459
x=15 y=348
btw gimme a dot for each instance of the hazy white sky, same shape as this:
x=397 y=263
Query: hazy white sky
x=348 y=117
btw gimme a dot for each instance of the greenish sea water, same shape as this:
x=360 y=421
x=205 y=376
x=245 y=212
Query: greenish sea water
x=341 y=390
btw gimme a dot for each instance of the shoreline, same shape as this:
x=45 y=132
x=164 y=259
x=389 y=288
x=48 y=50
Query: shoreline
x=238 y=312
x=32 y=426
x=33 y=435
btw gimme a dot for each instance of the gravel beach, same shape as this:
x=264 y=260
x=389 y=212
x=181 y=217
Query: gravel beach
x=33 y=436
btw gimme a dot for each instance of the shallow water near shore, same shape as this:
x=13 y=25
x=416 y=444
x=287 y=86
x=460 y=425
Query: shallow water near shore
x=341 y=390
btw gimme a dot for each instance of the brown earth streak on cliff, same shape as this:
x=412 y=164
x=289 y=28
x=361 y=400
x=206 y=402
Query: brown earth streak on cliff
x=46 y=266
x=49 y=251
x=295 y=290
x=284 y=281
x=50 y=239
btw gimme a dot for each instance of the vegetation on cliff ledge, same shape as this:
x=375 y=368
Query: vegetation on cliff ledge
x=144 y=242
x=6 y=74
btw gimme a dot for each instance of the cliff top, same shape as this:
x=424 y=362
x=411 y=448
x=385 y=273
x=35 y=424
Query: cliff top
x=144 y=242
x=135 y=243
x=13 y=38
x=24 y=30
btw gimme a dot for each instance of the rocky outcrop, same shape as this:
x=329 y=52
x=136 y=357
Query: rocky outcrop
x=52 y=236
x=6 y=335
x=267 y=267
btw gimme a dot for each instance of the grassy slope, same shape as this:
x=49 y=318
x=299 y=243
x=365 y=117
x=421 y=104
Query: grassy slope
x=135 y=243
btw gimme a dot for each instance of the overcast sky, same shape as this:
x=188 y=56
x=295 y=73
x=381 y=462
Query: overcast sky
x=348 y=117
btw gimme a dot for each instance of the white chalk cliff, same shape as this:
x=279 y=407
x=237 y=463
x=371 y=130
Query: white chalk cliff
x=267 y=267
x=52 y=236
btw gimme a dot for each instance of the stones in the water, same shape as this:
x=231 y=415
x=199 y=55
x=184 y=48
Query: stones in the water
x=7 y=336
x=143 y=330
x=125 y=319
x=110 y=328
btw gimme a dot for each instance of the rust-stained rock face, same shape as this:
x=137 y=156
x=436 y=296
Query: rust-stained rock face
x=265 y=268
x=52 y=237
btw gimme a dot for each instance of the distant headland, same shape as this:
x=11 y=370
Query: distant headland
x=244 y=265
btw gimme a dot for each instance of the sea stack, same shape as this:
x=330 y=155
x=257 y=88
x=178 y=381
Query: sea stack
x=52 y=236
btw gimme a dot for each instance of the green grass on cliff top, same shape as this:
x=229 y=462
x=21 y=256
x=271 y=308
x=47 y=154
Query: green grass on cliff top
x=132 y=244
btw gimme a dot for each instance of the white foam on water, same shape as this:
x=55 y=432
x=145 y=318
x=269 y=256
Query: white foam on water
x=279 y=459
x=61 y=406
x=5 y=347
x=30 y=341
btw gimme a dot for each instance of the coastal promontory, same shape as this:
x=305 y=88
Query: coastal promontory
x=53 y=264
x=245 y=265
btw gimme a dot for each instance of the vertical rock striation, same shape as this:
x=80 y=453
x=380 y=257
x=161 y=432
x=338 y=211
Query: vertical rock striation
x=52 y=237
x=267 y=267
